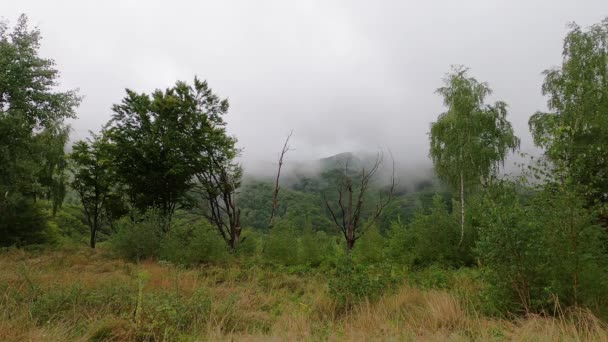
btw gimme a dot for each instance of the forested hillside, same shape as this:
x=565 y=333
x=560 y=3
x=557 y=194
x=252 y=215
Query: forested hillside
x=151 y=228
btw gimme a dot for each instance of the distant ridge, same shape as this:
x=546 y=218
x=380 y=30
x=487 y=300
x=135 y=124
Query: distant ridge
x=339 y=161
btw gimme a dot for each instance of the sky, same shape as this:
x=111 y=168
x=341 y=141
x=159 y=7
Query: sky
x=343 y=75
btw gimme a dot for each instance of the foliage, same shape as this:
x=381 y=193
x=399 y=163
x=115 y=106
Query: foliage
x=159 y=142
x=139 y=237
x=281 y=246
x=370 y=249
x=575 y=134
x=24 y=222
x=431 y=238
x=314 y=247
x=70 y=223
x=354 y=283
x=92 y=180
x=536 y=253
x=193 y=243
x=32 y=133
x=471 y=139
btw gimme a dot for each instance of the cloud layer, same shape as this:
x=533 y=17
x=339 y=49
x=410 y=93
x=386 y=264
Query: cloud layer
x=344 y=75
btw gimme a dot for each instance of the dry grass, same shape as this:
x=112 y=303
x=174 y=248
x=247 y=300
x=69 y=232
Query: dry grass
x=86 y=296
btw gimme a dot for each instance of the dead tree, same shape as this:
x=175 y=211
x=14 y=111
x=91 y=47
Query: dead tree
x=275 y=194
x=218 y=187
x=351 y=196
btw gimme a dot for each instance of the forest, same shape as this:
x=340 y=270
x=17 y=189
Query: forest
x=151 y=229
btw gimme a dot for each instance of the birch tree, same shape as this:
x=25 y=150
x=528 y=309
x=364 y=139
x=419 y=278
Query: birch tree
x=471 y=140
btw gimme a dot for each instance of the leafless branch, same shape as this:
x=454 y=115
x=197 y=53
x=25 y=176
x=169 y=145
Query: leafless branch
x=275 y=195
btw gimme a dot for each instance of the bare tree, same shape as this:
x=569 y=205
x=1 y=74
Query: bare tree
x=347 y=217
x=275 y=194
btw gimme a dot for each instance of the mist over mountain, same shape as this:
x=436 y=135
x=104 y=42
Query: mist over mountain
x=408 y=176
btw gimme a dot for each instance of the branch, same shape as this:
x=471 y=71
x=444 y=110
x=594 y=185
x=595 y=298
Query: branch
x=333 y=216
x=380 y=208
x=275 y=195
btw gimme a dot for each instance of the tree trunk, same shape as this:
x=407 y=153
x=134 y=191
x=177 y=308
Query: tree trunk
x=574 y=246
x=236 y=238
x=461 y=208
x=93 y=238
x=350 y=243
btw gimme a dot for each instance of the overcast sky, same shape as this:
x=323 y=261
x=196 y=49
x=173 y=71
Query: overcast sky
x=344 y=75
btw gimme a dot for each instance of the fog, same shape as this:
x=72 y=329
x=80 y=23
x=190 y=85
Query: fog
x=344 y=75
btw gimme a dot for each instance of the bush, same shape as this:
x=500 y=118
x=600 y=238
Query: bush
x=71 y=226
x=353 y=283
x=432 y=238
x=370 y=248
x=249 y=245
x=281 y=245
x=138 y=239
x=191 y=244
x=23 y=222
x=540 y=252
x=314 y=248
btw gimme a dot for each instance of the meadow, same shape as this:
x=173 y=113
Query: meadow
x=84 y=295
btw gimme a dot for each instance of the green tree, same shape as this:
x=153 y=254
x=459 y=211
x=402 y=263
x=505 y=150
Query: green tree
x=575 y=133
x=92 y=181
x=32 y=130
x=160 y=142
x=471 y=140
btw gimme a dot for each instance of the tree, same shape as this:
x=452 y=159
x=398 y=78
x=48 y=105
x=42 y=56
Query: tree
x=351 y=197
x=161 y=142
x=52 y=175
x=575 y=134
x=32 y=130
x=92 y=181
x=471 y=140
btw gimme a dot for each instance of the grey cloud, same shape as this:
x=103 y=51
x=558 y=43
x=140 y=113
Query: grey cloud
x=344 y=75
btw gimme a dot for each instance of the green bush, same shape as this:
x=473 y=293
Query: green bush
x=23 y=222
x=193 y=243
x=70 y=225
x=281 y=245
x=432 y=277
x=250 y=243
x=314 y=248
x=369 y=249
x=138 y=239
x=354 y=283
x=539 y=252
x=432 y=238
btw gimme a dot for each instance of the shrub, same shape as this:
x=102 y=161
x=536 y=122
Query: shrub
x=281 y=245
x=138 y=239
x=23 y=222
x=249 y=245
x=191 y=244
x=314 y=248
x=370 y=248
x=542 y=251
x=353 y=283
x=71 y=226
x=432 y=238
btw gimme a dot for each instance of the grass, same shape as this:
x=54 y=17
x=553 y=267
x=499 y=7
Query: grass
x=90 y=296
